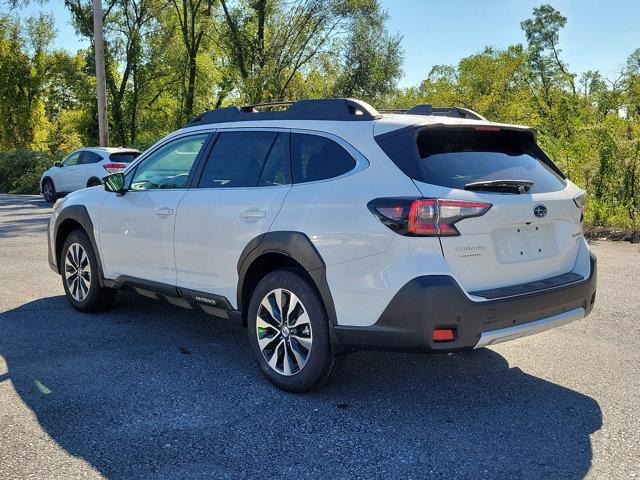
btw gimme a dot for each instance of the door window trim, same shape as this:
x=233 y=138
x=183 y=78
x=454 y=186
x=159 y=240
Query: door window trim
x=133 y=168
x=203 y=160
x=361 y=161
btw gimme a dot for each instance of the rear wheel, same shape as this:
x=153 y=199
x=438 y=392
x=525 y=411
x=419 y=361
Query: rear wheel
x=48 y=191
x=79 y=268
x=94 y=182
x=288 y=332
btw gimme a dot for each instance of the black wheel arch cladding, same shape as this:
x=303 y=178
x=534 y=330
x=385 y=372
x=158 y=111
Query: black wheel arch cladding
x=296 y=246
x=79 y=215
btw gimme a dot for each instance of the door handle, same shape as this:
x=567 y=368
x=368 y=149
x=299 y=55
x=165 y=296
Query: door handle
x=253 y=213
x=163 y=211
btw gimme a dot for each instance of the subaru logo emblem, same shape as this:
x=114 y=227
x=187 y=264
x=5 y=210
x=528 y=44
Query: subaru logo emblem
x=540 y=211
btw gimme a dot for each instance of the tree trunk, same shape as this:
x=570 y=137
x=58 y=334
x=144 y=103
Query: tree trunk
x=191 y=87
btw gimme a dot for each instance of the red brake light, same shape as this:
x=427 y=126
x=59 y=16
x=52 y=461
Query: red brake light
x=114 y=167
x=487 y=128
x=425 y=216
x=437 y=217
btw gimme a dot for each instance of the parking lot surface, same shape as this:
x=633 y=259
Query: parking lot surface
x=148 y=390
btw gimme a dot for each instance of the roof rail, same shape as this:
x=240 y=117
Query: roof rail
x=342 y=109
x=427 y=109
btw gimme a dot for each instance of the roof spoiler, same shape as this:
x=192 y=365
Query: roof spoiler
x=429 y=110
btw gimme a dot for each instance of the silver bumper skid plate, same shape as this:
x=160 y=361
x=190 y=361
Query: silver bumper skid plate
x=493 y=337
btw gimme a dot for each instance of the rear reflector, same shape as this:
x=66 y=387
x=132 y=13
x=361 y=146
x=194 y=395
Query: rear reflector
x=443 y=335
x=425 y=216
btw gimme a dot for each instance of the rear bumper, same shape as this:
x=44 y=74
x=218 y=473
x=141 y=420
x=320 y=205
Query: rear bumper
x=437 y=302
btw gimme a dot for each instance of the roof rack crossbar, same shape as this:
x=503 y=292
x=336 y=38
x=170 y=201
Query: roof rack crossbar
x=335 y=109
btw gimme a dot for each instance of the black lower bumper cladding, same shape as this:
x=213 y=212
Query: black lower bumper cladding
x=437 y=302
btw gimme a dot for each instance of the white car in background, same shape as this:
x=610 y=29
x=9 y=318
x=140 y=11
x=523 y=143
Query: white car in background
x=84 y=168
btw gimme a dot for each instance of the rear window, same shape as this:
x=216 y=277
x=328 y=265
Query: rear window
x=124 y=157
x=454 y=158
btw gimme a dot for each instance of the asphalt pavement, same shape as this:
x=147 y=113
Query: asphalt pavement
x=148 y=390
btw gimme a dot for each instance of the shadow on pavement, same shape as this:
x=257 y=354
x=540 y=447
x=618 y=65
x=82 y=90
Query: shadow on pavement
x=23 y=215
x=21 y=202
x=152 y=390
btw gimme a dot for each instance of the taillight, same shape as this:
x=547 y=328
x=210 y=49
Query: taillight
x=114 y=167
x=425 y=216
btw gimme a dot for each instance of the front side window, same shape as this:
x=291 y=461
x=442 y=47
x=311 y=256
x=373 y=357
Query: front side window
x=316 y=158
x=169 y=166
x=72 y=159
x=246 y=159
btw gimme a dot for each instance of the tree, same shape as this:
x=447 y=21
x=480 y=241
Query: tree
x=36 y=82
x=272 y=46
x=372 y=60
x=194 y=18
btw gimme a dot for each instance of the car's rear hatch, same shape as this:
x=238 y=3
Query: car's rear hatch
x=532 y=229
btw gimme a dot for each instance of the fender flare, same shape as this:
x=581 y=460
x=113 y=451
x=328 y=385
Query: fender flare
x=297 y=246
x=79 y=214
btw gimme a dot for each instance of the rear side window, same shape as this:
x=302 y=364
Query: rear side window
x=246 y=159
x=90 y=157
x=454 y=158
x=124 y=157
x=316 y=158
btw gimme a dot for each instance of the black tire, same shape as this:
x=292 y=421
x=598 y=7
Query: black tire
x=95 y=298
x=94 y=182
x=48 y=190
x=320 y=364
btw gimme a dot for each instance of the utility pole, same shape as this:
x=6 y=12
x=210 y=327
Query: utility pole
x=101 y=84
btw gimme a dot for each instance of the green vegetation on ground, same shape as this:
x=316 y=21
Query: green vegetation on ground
x=169 y=60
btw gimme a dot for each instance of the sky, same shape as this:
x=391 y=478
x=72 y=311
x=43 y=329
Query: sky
x=599 y=35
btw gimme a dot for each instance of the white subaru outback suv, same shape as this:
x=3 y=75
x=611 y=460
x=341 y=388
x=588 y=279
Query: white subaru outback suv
x=328 y=227
x=84 y=168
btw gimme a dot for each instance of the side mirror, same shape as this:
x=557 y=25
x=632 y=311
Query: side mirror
x=114 y=183
x=58 y=164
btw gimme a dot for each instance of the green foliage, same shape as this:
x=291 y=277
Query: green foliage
x=372 y=63
x=592 y=130
x=167 y=60
x=20 y=170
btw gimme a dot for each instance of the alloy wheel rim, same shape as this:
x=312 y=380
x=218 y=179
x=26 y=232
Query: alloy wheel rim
x=77 y=272
x=47 y=191
x=283 y=330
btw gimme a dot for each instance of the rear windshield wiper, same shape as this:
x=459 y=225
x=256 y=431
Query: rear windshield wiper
x=501 y=186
